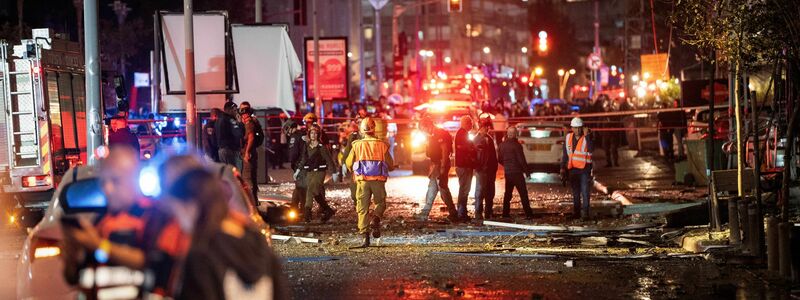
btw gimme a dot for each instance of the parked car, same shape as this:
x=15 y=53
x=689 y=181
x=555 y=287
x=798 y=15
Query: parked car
x=698 y=124
x=542 y=144
x=39 y=267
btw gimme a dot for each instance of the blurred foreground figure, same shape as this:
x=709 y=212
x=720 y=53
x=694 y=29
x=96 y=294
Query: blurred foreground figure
x=227 y=257
x=116 y=239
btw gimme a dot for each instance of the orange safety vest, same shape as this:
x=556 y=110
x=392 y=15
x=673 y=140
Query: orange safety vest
x=580 y=156
x=369 y=162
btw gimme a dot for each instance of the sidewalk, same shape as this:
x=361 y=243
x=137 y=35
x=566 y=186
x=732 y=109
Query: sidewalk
x=641 y=179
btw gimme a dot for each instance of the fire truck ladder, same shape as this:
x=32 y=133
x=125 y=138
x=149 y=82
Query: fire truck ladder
x=22 y=128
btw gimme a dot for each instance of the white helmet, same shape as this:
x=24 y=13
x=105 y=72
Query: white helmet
x=576 y=122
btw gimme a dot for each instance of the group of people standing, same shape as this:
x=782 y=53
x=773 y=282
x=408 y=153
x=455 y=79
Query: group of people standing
x=476 y=154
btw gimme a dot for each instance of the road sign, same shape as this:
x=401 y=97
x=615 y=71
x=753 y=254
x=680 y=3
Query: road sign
x=378 y=4
x=594 y=61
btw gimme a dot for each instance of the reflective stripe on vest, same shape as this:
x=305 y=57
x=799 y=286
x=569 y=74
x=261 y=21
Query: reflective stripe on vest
x=580 y=156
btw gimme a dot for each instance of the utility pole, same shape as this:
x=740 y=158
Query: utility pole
x=597 y=87
x=188 y=39
x=258 y=11
x=315 y=29
x=94 y=138
x=378 y=52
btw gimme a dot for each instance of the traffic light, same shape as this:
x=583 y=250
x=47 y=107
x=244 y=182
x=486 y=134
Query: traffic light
x=542 y=42
x=453 y=5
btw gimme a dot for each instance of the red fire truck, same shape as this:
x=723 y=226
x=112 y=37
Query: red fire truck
x=42 y=122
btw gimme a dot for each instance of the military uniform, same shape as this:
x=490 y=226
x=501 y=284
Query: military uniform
x=315 y=161
x=370 y=162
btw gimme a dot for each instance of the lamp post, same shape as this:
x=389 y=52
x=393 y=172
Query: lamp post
x=564 y=78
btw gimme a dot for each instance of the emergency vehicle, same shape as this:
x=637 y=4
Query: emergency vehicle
x=42 y=122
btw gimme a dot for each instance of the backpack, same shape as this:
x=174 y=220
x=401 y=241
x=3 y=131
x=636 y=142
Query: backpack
x=259 y=132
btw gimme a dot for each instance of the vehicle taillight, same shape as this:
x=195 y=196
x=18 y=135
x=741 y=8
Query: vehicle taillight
x=34 y=181
x=44 y=248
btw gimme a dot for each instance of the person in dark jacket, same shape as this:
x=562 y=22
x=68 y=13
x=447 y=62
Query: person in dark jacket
x=229 y=133
x=486 y=170
x=120 y=134
x=440 y=146
x=315 y=161
x=210 y=137
x=296 y=146
x=516 y=169
x=465 y=165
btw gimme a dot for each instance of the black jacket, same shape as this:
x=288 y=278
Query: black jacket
x=487 y=154
x=511 y=157
x=296 y=147
x=224 y=129
x=437 y=140
x=465 y=150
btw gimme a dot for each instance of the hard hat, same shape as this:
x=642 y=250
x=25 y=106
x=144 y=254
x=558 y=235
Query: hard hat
x=367 y=125
x=310 y=117
x=576 y=122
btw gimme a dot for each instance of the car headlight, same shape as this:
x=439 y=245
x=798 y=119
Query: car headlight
x=418 y=138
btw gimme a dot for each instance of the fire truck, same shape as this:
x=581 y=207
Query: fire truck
x=42 y=122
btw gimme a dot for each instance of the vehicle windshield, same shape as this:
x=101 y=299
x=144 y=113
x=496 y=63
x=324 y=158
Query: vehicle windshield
x=541 y=131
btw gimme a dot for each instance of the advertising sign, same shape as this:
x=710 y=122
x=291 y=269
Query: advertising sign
x=655 y=65
x=333 y=83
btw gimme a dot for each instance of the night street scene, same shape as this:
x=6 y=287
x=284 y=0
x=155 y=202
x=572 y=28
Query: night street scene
x=399 y=149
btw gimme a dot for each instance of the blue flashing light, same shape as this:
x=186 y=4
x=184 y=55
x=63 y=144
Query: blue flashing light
x=149 y=182
x=576 y=108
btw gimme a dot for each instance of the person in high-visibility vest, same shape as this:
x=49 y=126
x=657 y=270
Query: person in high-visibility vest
x=576 y=164
x=370 y=162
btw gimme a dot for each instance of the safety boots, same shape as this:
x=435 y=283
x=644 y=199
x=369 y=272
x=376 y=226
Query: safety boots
x=327 y=215
x=365 y=243
x=376 y=227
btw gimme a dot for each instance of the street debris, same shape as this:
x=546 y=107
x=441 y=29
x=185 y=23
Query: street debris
x=570 y=263
x=594 y=241
x=312 y=259
x=505 y=255
x=286 y=238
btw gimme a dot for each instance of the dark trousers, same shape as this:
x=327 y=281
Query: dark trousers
x=250 y=175
x=665 y=137
x=229 y=157
x=580 y=187
x=464 y=185
x=516 y=181
x=611 y=148
x=484 y=193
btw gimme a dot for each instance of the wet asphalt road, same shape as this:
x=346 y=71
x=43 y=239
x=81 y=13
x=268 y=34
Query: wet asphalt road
x=408 y=263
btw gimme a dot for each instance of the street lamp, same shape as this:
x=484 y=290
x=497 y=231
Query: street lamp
x=447 y=59
x=564 y=79
x=538 y=71
x=524 y=50
x=486 y=50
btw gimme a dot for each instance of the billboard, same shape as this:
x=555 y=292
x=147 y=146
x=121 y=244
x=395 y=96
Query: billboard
x=215 y=65
x=655 y=65
x=333 y=83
